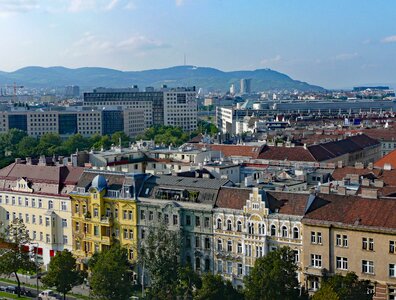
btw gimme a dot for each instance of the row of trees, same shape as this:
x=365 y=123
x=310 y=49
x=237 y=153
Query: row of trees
x=111 y=274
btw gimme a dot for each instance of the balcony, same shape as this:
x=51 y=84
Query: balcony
x=106 y=220
x=105 y=240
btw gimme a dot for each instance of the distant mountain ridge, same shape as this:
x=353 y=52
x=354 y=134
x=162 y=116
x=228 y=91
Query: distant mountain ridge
x=203 y=77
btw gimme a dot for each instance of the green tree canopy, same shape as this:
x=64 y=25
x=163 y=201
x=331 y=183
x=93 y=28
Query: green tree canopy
x=326 y=292
x=348 y=287
x=214 y=287
x=27 y=147
x=62 y=273
x=111 y=274
x=14 y=256
x=273 y=277
x=159 y=255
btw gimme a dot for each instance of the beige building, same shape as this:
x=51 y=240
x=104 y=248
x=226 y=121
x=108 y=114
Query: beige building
x=37 y=193
x=351 y=233
x=248 y=223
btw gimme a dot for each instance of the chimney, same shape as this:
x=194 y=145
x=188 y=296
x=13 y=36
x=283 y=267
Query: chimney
x=387 y=167
x=325 y=189
x=339 y=164
x=359 y=165
x=370 y=166
x=42 y=161
x=28 y=160
x=369 y=193
x=17 y=160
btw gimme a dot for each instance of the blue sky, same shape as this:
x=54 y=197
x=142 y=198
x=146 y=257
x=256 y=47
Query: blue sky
x=330 y=43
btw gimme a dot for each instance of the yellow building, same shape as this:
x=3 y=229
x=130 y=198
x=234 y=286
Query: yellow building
x=104 y=210
x=351 y=234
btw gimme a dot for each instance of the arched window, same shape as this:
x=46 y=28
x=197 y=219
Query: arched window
x=229 y=225
x=296 y=233
x=218 y=223
x=239 y=226
x=188 y=260
x=219 y=245
x=197 y=264
x=250 y=228
x=273 y=230
x=284 y=231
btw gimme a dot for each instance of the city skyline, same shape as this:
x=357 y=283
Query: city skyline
x=332 y=44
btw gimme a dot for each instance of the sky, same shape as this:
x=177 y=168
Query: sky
x=332 y=43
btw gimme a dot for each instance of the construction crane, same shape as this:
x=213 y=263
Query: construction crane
x=15 y=88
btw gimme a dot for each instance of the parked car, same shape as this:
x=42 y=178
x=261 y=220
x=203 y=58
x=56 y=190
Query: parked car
x=3 y=288
x=11 y=289
x=48 y=295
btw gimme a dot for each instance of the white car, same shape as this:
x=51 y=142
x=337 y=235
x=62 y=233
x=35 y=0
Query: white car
x=47 y=295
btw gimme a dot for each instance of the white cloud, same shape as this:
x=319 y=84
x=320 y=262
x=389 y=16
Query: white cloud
x=12 y=7
x=389 y=39
x=345 y=56
x=90 y=44
x=267 y=61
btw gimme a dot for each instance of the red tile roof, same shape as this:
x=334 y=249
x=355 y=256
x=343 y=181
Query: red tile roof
x=341 y=173
x=390 y=159
x=233 y=198
x=353 y=211
x=234 y=150
x=296 y=153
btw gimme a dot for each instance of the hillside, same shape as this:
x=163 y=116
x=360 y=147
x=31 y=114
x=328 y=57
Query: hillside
x=202 y=77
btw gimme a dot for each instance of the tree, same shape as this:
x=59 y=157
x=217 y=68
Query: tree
x=188 y=282
x=120 y=135
x=14 y=254
x=27 y=146
x=326 y=292
x=273 y=277
x=48 y=144
x=214 y=287
x=111 y=274
x=62 y=273
x=159 y=256
x=75 y=142
x=347 y=287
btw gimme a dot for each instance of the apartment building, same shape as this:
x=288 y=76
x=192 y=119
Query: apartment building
x=37 y=192
x=167 y=106
x=68 y=121
x=248 y=223
x=351 y=233
x=104 y=209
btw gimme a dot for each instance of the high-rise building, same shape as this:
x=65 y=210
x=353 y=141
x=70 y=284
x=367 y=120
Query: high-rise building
x=232 y=89
x=72 y=91
x=246 y=86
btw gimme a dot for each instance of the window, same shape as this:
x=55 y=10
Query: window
x=65 y=240
x=166 y=218
x=296 y=256
x=207 y=243
x=342 y=263
x=248 y=250
x=34 y=219
x=313 y=237
x=175 y=220
x=142 y=215
x=34 y=235
x=316 y=260
x=197 y=221
x=206 y=224
x=130 y=214
x=130 y=234
x=229 y=267
x=8 y=215
x=219 y=245
x=296 y=233
x=218 y=224
x=239 y=226
x=27 y=218
x=40 y=203
x=47 y=238
x=125 y=214
x=229 y=225
x=47 y=221
x=197 y=243
x=207 y=264
x=338 y=240
x=130 y=253
x=392 y=293
x=197 y=264
x=26 y=202
x=250 y=228
x=64 y=222
x=284 y=231
x=50 y=204
x=151 y=215
x=392 y=270
x=391 y=246
x=76 y=208
x=314 y=283
x=96 y=230
x=319 y=237
x=219 y=266
x=188 y=220
x=316 y=237
x=368 y=266
x=259 y=251
x=273 y=230
x=40 y=220
x=229 y=246
x=33 y=202
x=63 y=205
x=77 y=226
x=368 y=244
x=239 y=269
x=345 y=241
x=239 y=248
x=142 y=233
x=261 y=228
